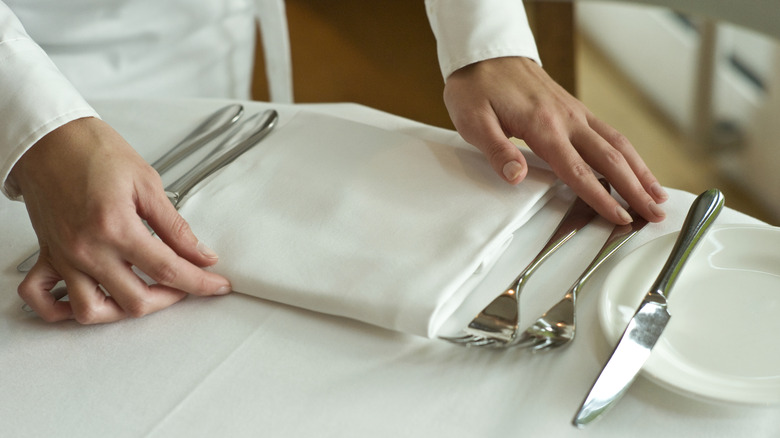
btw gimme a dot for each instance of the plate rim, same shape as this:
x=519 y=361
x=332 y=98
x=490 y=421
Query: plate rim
x=609 y=330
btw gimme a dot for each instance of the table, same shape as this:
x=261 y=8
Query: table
x=243 y=366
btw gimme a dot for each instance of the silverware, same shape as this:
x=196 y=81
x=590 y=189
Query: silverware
x=209 y=129
x=556 y=327
x=648 y=323
x=496 y=325
x=240 y=140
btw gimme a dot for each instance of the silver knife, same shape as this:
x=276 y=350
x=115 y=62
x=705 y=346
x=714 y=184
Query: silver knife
x=239 y=140
x=208 y=130
x=650 y=319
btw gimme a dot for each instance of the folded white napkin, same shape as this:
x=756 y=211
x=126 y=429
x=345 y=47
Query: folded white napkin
x=352 y=220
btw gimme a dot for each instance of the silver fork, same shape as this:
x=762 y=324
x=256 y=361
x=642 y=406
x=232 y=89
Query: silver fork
x=556 y=327
x=497 y=324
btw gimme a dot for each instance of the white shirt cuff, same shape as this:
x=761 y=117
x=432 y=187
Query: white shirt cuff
x=468 y=31
x=36 y=97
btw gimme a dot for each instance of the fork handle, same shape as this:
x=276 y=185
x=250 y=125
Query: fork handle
x=620 y=235
x=576 y=218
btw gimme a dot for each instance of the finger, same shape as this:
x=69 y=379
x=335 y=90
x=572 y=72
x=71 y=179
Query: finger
x=483 y=131
x=89 y=302
x=162 y=216
x=575 y=172
x=133 y=297
x=35 y=290
x=611 y=163
x=635 y=161
x=165 y=267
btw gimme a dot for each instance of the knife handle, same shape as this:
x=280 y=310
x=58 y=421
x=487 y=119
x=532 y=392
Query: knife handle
x=245 y=136
x=208 y=130
x=702 y=214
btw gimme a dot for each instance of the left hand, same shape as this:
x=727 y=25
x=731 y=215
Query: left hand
x=87 y=193
x=492 y=100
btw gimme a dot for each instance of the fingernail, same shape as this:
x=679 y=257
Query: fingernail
x=656 y=209
x=224 y=290
x=623 y=214
x=512 y=170
x=206 y=251
x=659 y=192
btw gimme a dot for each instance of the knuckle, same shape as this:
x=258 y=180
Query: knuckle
x=25 y=291
x=165 y=274
x=546 y=116
x=81 y=251
x=86 y=314
x=495 y=151
x=104 y=223
x=572 y=114
x=204 y=285
x=151 y=179
x=105 y=230
x=619 y=141
x=180 y=227
x=614 y=157
x=138 y=308
x=580 y=170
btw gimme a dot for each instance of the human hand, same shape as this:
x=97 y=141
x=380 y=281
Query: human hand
x=86 y=192
x=514 y=97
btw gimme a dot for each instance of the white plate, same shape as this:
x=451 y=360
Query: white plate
x=721 y=343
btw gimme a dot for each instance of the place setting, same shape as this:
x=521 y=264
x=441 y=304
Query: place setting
x=352 y=220
x=370 y=198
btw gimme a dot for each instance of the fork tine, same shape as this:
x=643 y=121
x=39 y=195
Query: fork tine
x=496 y=325
x=484 y=342
x=469 y=340
x=524 y=341
x=465 y=339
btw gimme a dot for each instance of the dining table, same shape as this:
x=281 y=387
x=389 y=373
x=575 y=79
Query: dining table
x=241 y=365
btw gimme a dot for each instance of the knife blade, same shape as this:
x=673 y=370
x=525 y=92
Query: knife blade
x=651 y=317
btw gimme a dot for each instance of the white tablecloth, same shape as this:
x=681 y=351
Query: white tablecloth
x=242 y=366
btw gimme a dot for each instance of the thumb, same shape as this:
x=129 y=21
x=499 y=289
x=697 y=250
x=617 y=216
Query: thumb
x=174 y=230
x=503 y=155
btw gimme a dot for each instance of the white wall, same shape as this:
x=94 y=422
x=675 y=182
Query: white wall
x=659 y=51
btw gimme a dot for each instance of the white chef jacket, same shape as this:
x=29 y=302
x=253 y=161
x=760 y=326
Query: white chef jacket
x=57 y=54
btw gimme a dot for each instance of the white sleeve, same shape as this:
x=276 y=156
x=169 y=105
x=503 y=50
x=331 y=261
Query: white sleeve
x=35 y=98
x=468 y=31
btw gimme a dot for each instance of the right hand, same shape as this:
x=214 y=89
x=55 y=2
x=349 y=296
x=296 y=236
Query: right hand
x=498 y=98
x=87 y=192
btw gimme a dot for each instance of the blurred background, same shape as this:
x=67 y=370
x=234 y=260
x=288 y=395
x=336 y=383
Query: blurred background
x=699 y=98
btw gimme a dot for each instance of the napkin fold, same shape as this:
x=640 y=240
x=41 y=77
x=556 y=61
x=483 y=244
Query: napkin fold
x=352 y=220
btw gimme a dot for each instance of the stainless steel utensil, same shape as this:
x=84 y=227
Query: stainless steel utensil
x=497 y=324
x=241 y=139
x=556 y=327
x=209 y=129
x=650 y=319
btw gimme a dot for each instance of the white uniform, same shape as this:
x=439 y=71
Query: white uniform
x=55 y=54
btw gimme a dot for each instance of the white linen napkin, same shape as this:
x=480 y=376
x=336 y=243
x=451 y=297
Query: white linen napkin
x=352 y=220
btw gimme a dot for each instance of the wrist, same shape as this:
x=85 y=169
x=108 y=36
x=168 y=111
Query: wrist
x=47 y=152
